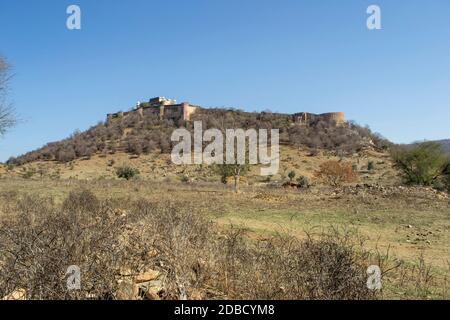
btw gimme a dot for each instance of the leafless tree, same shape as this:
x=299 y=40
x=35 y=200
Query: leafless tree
x=7 y=115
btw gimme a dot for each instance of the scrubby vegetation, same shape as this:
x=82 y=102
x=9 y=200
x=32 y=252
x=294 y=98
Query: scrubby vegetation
x=39 y=240
x=370 y=166
x=335 y=173
x=425 y=164
x=303 y=182
x=136 y=227
x=235 y=171
x=291 y=175
x=320 y=134
x=127 y=172
x=136 y=135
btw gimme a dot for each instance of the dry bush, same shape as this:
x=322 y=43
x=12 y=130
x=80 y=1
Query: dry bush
x=200 y=261
x=181 y=240
x=415 y=279
x=285 y=267
x=40 y=239
x=335 y=173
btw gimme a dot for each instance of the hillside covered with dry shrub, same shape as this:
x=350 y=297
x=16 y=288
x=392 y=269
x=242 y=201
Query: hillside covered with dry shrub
x=143 y=135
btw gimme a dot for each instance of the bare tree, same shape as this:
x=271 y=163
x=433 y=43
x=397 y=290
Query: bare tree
x=7 y=115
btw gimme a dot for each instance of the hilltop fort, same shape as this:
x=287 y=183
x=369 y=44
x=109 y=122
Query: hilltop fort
x=165 y=108
x=170 y=109
x=144 y=129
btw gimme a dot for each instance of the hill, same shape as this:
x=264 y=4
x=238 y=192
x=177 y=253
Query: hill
x=159 y=167
x=445 y=144
x=140 y=218
x=147 y=133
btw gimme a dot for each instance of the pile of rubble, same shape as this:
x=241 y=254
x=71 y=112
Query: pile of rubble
x=392 y=191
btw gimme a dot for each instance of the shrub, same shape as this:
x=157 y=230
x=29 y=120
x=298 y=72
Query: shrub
x=446 y=178
x=447 y=183
x=335 y=173
x=440 y=185
x=134 y=146
x=303 y=182
x=126 y=172
x=42 y=241
x=29 y=173
x=423 y=164
x=370 y=166
x=291 y=175
x=42 y=171
x=39 y=240
x=82 y=200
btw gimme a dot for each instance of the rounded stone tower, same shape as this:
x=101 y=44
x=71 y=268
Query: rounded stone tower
x=338 y=117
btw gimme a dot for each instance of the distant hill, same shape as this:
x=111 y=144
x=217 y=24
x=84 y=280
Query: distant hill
x=445 y=145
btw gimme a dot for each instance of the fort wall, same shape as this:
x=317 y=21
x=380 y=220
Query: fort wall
x=169 y=109
x=165 y=108
x=307 y=118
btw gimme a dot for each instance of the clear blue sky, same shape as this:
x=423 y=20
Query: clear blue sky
x=286 y=56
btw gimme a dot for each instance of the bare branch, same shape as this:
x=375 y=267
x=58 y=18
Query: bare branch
x=7 y=115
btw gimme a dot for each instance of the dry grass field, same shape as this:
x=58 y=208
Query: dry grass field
x=406 y=231
x=159 y=167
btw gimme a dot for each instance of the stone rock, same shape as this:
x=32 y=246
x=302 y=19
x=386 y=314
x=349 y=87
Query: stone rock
x=127 y=290
x=18 y=294
x=148 y=275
